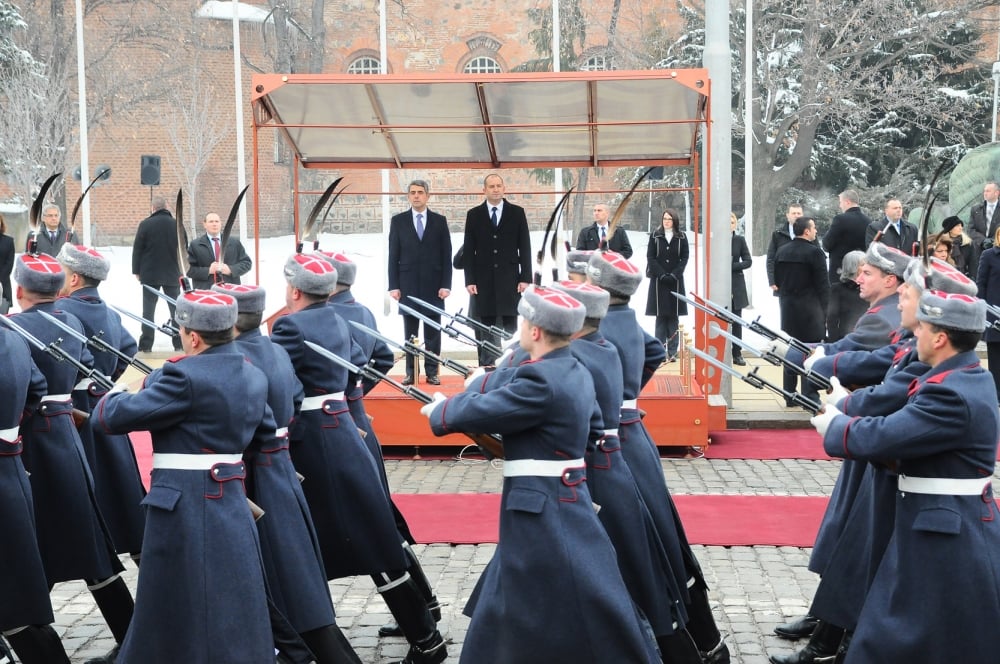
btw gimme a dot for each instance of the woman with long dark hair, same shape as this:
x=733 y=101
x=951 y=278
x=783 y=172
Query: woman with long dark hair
x=666 y=258
x=6 y=264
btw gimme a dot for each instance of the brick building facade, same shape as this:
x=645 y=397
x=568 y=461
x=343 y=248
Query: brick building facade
x=423 y=36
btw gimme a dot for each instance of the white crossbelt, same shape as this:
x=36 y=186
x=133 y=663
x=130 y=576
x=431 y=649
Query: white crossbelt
x=82 y=385
x=281 y=432
x=192 y=461
x=9 y=435
x=611 y=432
x=944 y=486
x=56 y=397
x=540 y=467
x=631 y=404
x=315 y=403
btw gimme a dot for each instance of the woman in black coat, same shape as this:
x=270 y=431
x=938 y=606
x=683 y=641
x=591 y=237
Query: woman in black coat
x=988 y=282
x=6 y=264
x=741 y=261
x=666 y=258
x=846 y=305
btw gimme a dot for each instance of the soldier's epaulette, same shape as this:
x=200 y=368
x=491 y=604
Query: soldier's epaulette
x=176 y=358
x=875 y=310
x=939 y=378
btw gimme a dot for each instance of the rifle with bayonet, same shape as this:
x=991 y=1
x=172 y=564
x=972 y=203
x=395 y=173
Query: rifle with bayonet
x=461 y=318
x=415 y=349
x=758 y=381
x=489 y=444
x=819 y=380
x=168 y=329
x=458 y=335
x=160 y=294
x=97 y=343
x=60 y=354
x=754 y=326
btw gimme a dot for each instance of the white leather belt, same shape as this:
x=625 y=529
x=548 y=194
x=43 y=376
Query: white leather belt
x=944 y=486
x=193 y=461
x=9 y=435
x=315 y=403
x=611 y=432
x=56 y=397
x=540 y=467
x=631 y=404
x=82 y=385
x=281 y=432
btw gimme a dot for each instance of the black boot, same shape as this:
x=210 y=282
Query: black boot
x=391 y=628
x=738 y=358
x=109 y=658
x=408 y=606
x=821 y=649
x=115 y=603
x=678 y=648
x=797 y=629
x=38 y=644
x=330 y=646
x=845 y=643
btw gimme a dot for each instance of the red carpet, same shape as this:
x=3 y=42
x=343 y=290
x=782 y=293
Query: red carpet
x=473 y=518
x=766 y=444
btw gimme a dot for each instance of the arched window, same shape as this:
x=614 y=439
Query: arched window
x=482 y=64
x=595 y=63
x=364 y=65
x=600 y=58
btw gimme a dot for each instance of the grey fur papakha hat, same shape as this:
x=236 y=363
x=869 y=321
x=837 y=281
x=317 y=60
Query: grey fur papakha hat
x=954 y=311
x=39 y=274
x=249 y=299
x=577 y=259
x=205 y=311
x=84 y=261
x=311 y=274
x=614 y=273
x=888 y=259
x=595 y=300
x=939 y=276
x=347 y=269
x=552 y=310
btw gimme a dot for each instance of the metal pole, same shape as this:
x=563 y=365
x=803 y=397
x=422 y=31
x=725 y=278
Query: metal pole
x=81 y=79
x=241 y=166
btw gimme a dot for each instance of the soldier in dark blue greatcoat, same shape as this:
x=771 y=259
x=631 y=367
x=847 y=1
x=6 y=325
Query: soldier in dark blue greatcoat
x=641 y=354
x=935 y=596
x=293 y=562
x=642 y=559
x=117 y=482
x=72 y=536
x=552 y=592
x=25 y=612
x=201 y=596
x=350 y=507
x=379 y=356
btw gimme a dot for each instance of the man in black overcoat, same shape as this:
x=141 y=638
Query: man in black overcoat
x=497 y=259
x=803 y=294
x=420 y=265
x=847 y=232
x=210 y=263
x=984 y=218
x=592 y=236
x=154 y=263
x=892 y=230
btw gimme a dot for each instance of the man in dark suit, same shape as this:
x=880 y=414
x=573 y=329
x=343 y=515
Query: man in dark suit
x=154 y=263
x=781 y=236
x=892 y=230
x=497 y=259
x=52 y=234
x=420 y=265
x=984 y=218
x=592 y=236
x=847 y=232
x=803 y=295
x=207 y=264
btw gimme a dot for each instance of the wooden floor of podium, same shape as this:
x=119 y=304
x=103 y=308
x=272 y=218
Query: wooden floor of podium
x=675 y=415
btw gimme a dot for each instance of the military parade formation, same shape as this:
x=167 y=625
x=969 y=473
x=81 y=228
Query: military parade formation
x=268 y=479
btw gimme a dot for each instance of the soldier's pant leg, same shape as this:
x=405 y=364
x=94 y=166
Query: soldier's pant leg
x=37 y=644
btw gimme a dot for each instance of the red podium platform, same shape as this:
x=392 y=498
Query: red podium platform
x=673 y=416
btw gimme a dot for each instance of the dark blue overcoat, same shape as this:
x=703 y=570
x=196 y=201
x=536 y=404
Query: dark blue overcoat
x=936 y=594
x=350 y=508
x=22 y=576
x=72 y=536
x=201 y=595
x=117 y=482
x=293 y=562
x=553 y=559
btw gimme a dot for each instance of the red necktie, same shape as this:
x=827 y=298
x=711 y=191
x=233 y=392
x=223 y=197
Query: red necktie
x=215 y=242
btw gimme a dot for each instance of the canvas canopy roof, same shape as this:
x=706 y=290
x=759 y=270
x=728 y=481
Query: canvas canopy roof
x=528 y=120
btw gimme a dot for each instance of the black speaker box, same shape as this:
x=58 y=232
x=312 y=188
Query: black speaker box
x=149 y=171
